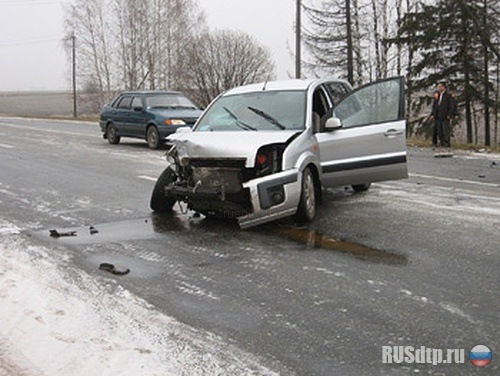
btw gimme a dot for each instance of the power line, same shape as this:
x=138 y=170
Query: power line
x=11 y=3
x=26 y=42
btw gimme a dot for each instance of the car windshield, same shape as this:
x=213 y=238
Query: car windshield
x=168 y=101
x=266 y=110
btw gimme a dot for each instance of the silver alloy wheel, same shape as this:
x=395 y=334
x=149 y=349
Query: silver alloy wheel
x=309 y=194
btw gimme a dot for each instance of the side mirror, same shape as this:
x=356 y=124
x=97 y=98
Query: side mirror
x=333 y=123
x=183 y=130
x=138 y=109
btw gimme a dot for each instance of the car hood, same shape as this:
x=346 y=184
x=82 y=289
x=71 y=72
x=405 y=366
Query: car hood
x=176 y=112
x=231 y=145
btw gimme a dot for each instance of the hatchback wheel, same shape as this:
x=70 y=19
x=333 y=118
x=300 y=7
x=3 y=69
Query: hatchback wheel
x=111 y=134
x=307 y=206
x=153 y=137
x=160 y=203
x=361 y=187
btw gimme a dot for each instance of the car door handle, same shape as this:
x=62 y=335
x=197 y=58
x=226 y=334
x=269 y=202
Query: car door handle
x=392 y=132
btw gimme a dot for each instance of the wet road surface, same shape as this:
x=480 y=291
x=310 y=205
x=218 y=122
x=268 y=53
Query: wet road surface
x=412 y=262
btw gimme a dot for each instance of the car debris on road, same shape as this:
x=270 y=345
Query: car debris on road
x=112 y=269
x=56 y=234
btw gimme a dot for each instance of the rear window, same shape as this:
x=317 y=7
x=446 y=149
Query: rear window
x=168 y=101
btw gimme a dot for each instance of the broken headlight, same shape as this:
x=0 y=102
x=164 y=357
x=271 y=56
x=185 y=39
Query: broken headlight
x=268 y=159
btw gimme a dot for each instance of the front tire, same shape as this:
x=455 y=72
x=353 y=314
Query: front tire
x=160 y=203
x=306 y=210
x=153 y=137
x=361 y=187
x=111 y=134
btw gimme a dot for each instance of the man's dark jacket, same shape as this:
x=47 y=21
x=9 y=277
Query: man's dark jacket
x=443 y=110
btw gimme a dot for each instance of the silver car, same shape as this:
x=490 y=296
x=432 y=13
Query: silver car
x=264 y=151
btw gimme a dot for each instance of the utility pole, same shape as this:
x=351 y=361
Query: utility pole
x=297 y=39
x=350 y=58
x=73 y=47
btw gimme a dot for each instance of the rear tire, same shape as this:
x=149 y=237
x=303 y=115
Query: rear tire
x=361 y=187
x=160 y=203
x=153 y=137
x=111 y=134
x=306 y=210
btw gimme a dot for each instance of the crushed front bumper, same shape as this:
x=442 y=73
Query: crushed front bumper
x=207 y=199
x=272 y=197
x=262 y=199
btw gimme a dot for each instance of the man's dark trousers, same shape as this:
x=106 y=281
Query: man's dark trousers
x=443 y=111
x=442 y=132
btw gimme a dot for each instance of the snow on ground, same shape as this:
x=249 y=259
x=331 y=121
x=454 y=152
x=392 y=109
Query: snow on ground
x=56 y=320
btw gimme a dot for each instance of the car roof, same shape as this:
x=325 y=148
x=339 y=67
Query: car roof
x=296 y=84
x=149 y=92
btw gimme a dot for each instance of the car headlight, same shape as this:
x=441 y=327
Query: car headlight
x=175 y=122
x=269 y=159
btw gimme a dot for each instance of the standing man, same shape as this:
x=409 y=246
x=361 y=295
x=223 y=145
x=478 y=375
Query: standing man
x=442 y=112
x=434 y=117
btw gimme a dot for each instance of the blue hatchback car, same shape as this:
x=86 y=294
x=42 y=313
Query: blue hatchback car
x=150 y=115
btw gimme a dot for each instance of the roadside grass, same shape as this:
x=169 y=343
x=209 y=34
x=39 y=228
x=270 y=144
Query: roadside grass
x=93 y=118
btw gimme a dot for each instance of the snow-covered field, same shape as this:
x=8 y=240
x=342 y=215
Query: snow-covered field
x=56 y=320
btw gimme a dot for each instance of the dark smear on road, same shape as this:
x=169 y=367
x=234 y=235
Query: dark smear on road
x=316 y=240
x=156 y=225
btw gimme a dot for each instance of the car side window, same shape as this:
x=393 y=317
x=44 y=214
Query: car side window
x=124 y=103
x=320 y=109
x=136 y=102
x=337 y=91
x=115 y=102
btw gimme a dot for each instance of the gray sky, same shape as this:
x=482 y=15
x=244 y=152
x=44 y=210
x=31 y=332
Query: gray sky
x=32 y=57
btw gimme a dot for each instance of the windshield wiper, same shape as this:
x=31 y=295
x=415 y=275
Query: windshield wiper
x=182 y=106
x=266 y=116
x=239 y=123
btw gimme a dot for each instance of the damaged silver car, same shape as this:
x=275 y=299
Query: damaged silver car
x=264 y=151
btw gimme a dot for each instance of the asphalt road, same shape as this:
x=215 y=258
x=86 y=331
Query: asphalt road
x=412 y=262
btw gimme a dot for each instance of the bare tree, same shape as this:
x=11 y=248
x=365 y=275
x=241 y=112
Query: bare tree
x=220 y=60
x=87 y=19
x=132 y=44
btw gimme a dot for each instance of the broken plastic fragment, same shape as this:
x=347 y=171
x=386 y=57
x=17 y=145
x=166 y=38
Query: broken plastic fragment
x=57 y=234
x=111 y=268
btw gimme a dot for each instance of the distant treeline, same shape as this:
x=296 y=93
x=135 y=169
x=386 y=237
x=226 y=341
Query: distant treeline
x=427 y=41
x=158 y=45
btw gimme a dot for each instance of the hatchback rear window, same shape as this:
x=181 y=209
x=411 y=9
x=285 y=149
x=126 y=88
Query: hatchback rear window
x=168 y=101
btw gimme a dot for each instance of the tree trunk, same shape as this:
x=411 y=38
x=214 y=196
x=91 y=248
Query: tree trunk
x=398 y=46
x=497 y=98
x=357 y=43
x=487 y=133
x=385 y=35
x=409 y=82
x=467 y=94
x=376 y=41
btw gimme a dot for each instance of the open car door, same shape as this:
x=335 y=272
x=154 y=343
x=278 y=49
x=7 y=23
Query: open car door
x=370 y=145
